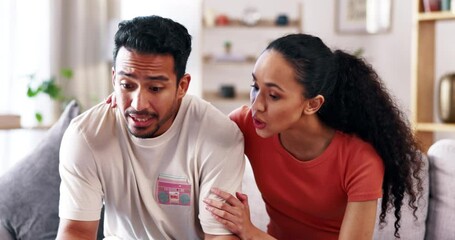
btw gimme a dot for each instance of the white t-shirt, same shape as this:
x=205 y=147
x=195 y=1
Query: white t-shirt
x=151 y=188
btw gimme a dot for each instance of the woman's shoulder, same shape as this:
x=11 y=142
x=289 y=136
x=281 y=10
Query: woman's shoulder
x=353 y=144
x=240 y=114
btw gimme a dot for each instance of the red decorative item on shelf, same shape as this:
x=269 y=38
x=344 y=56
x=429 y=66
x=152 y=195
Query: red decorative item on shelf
x=222 y=20
x=431 y=5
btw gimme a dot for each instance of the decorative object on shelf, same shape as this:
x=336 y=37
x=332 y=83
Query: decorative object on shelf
x=431 y=5
x=227 y=47
x=447 y=98
x=363 y=16
x=222 y=20
x=227 y=91
x=251 y=16
x=358 y=52
x=282 y=20
x=445 y=5
x=209 y=17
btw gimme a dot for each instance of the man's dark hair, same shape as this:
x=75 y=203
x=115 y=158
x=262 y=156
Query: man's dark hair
x=155 y=35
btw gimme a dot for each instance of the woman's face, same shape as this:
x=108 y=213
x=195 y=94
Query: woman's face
x=276 y=96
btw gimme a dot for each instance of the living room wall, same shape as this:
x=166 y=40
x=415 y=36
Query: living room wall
x=389 y=53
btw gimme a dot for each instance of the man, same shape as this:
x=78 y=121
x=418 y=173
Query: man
x=153 y=159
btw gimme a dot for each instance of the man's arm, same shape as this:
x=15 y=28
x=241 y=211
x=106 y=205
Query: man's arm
x=81 y=230
x=220 y=237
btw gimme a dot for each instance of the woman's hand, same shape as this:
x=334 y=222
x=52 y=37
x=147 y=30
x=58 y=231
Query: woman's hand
x=111 y=100
x=234 y=214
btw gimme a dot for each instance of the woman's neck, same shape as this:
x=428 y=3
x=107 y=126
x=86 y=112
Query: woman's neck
x=307 y=140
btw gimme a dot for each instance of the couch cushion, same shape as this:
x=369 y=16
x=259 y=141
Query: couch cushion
x=29 y=192
x=411 y=228
x=441 y=215
x=258 y=214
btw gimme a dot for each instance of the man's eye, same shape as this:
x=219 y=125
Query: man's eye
x=126 y=85
x=155 y=89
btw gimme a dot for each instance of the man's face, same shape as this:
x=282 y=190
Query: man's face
x=145 y=86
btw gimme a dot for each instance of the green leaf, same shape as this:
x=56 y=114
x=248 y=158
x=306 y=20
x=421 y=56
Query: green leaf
x=66 y=73
x=39 y=117
x=31 y=92
x=51 y=88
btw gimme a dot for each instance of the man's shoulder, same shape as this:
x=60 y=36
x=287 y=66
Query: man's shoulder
x=206 y=117
x=99 y=118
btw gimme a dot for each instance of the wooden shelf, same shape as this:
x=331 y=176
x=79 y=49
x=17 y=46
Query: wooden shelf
x=246 y=60
x=436 y=16
x=214 y=96
x=265 y=23
x=435 y=127
x=424 y=61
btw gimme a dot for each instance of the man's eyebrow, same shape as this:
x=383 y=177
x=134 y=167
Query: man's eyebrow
x=156 y=78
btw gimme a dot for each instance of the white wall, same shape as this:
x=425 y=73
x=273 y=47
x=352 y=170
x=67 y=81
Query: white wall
x=389 y=53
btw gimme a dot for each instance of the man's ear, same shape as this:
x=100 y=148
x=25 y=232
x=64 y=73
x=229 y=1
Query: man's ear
x=113 y=77
x=314 y=104
x=184 y=83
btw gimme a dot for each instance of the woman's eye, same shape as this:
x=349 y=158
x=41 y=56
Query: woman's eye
x=274 y=97
x=254 y=86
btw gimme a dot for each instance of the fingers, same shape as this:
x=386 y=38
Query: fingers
x=111 y=100
x=233 y=213
x=226 y=196
x=242 y=197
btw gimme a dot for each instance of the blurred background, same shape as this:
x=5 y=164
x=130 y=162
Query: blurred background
x=56 y=50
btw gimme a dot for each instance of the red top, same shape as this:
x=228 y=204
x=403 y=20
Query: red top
x=307 y=199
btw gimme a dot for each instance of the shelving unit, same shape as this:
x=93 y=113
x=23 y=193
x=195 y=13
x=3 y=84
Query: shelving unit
x=423 y=75
x=219 y=68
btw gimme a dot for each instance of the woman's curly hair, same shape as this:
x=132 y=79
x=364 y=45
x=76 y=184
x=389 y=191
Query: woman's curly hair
x=357 y=102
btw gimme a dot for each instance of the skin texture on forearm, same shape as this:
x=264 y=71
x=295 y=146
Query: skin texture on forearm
x=80 y=230
x=358 y=221
x=220 y=237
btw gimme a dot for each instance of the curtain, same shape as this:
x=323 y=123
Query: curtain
x=81 y=40
x=43 y=37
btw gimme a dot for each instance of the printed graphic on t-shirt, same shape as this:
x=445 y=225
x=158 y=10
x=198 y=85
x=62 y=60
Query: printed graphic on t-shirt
x=173 y=190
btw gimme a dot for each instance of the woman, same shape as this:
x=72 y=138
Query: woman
x=325 y=141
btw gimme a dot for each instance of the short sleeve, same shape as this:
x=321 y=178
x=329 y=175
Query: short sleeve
x=80 y=189
x=365 y=174
x=223 y=167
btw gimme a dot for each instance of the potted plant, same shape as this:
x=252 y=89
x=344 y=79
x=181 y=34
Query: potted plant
x=48 y=87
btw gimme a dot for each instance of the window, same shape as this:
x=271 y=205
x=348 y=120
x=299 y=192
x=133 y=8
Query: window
x=24 y=48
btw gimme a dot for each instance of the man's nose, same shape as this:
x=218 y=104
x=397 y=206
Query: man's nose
x=140 y=101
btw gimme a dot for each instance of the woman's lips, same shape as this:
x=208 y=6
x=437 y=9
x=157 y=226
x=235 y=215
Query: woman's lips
x=258 y=124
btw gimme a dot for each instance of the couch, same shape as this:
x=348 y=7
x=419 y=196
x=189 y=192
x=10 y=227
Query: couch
x=29 y=193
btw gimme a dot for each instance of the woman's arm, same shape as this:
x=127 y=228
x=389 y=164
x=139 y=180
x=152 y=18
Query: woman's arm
x=235 y=215
x=359 y=220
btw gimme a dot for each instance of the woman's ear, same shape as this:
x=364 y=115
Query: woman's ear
x=314 y=104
